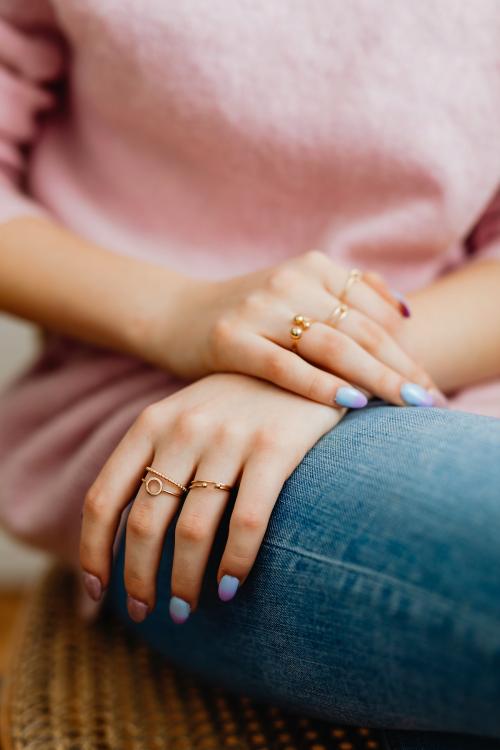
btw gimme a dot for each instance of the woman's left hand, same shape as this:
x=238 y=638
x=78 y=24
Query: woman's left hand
x=225 y=428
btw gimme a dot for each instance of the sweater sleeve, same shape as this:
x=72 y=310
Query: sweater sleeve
x=483 y=241
x=31 y=59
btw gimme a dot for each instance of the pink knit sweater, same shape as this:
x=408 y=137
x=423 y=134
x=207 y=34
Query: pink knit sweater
x=218 y=137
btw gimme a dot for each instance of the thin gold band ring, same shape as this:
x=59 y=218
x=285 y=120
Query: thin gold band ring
x=202 y=483
x=337 y=314
x=354 y=275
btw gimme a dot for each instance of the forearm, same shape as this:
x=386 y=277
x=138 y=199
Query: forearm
x=59 y=280
x=455 y=327
x=56 y=279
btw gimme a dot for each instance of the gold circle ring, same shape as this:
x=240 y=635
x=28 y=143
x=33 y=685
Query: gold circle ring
x=300 y=323
x=154 y=486
x=354 y=275
x=203 y=483
x=166 y=478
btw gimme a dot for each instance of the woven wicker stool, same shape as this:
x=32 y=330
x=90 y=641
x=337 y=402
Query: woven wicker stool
x=75 y=687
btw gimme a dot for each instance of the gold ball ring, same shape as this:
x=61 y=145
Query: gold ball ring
x=301 y=323
x=202 y=483
x=337 y=314
x=166 y=478
x=354 y=275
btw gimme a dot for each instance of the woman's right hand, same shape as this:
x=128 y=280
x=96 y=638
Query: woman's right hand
x=244 y=325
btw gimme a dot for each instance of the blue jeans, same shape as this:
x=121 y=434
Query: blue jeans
x=375 y=598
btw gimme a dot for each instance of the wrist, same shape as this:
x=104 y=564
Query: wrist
x=161 y=301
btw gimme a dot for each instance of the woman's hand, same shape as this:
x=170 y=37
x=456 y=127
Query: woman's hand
x=225 y=428
x=193 y=328
x=244 y=325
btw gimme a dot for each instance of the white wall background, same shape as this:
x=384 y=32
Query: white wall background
x=18 y=565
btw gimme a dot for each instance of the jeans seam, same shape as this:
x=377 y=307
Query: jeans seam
x=424 y=594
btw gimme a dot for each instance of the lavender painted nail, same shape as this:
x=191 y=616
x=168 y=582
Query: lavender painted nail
x=92 y=585
x=403 y=304
x=414 y=395
x=137 y=610
x=228 y=587
x=179 y=610
x=350 y=397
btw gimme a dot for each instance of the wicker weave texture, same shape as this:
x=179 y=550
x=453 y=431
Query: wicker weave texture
x=74 y=687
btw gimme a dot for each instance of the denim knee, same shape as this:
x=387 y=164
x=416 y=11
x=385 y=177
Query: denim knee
x=378 y=570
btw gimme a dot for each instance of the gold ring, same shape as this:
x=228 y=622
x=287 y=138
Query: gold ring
x=205 y=483
x=354 y=275
x=337 y=315
x=166 y=478
x=155 y=486
x=300 y=324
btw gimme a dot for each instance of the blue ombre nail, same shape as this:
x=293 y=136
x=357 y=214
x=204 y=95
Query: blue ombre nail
x=179 y=610
x=414 y=395
x=403 y=304
x=350 y=397
x=228 y=587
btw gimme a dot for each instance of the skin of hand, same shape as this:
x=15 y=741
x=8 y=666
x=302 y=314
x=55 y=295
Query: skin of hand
x=227 y=428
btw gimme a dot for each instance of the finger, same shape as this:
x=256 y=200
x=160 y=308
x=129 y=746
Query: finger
x=369 y=294
x=366 y=332
x=198 y=523
x=274 y=362
x=376 y=341
x=373 y=337
x=364 y=298
x=148 y=521
x=109 y=495
x=333 y=349
x=394 y=298
x=260 y=486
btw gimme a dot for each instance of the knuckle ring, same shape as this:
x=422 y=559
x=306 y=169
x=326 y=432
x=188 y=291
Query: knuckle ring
x=155 y=485
x=354 y=275
x=301 y=323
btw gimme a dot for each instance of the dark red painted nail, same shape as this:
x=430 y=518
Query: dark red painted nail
x=404 y=308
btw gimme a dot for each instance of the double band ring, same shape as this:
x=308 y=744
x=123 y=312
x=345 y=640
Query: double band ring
x=166 y=478
x=202 y=483
x=155 y=486
x=353 y=276
x=300 y=324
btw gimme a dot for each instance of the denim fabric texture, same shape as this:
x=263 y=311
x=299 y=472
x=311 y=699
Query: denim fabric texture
x=437 y=741
x=375 y=598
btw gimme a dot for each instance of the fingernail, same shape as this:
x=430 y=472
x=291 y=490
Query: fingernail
x=228 y=587
x=414 y=395
x=137 y=610
x=92 y=585
x=403 y=304
x=350 y=397
x=179 y=610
